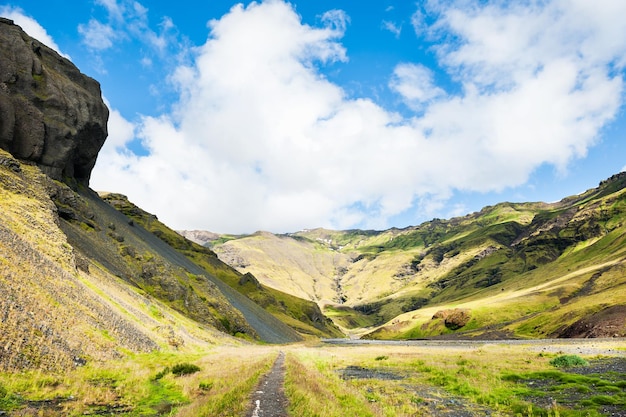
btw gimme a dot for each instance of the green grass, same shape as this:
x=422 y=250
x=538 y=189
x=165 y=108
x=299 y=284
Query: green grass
x=8 y=400
x=567 y=361
x=586 y=393
x=503 y=379
x=469 y=377
x=348 y=317
x=147 y=384
x=506 y=380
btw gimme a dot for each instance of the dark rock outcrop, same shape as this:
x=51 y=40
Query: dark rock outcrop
x=50 y=113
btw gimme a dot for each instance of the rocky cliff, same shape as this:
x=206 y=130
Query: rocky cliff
x=50 y=113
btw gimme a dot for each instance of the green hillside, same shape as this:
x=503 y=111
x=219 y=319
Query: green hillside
x=513 y=269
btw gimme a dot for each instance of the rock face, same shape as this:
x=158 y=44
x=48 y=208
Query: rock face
x=50 y=113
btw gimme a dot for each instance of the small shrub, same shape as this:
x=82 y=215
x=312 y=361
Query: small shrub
x=381 y=358
x=162 y=373
x=185 y=369
x=566 y=361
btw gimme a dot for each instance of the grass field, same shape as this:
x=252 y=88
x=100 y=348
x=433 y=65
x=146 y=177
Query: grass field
x=327 y=380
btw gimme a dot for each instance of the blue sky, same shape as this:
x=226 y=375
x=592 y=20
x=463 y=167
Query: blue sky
x=282 y=116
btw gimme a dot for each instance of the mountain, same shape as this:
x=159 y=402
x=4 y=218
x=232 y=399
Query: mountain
x=303 y=316
x=88 y=277
x=510 y=270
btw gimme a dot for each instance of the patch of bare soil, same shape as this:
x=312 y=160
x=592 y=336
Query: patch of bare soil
x=358 y=372
x=434 y=401
x=441 y=404
x=612 y=369
x=44 y=408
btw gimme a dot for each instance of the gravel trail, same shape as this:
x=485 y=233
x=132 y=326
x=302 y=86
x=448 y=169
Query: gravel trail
x=269 y=399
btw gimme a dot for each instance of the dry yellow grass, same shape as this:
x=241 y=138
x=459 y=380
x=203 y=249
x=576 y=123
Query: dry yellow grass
x=224 y=385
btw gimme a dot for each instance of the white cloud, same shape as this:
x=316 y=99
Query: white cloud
x=30 y=26
x=337 y=20
x=128 y=20
x=414 y=82
x=120 y=130
x=112 y=7
x=261 y=140
x=97 y=35
x=392 y=27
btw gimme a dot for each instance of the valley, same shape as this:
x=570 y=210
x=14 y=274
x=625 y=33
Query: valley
x=516 y=310
x=513 y=270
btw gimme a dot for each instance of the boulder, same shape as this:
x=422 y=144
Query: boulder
x=50 y=113
x=454 y=319
x=248 y=277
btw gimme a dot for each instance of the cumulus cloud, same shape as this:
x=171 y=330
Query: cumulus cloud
x=121 y=132
x=414 y=82
x=30 y=26
x=260 y=139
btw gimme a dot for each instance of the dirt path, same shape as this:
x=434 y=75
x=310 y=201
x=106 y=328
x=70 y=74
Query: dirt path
x=269 y=399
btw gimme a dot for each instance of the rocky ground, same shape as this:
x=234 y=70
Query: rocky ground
x=610 y=369
x=434 y=402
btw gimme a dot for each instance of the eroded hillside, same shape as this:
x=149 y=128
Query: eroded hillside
x=59 y=309
x=300 y=314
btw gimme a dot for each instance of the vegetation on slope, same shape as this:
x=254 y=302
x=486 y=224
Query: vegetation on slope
x=98 y=234
x=302 y=315
x=525 y=269
x=60 y=310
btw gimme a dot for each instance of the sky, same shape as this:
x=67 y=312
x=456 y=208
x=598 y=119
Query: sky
x=281 y=116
